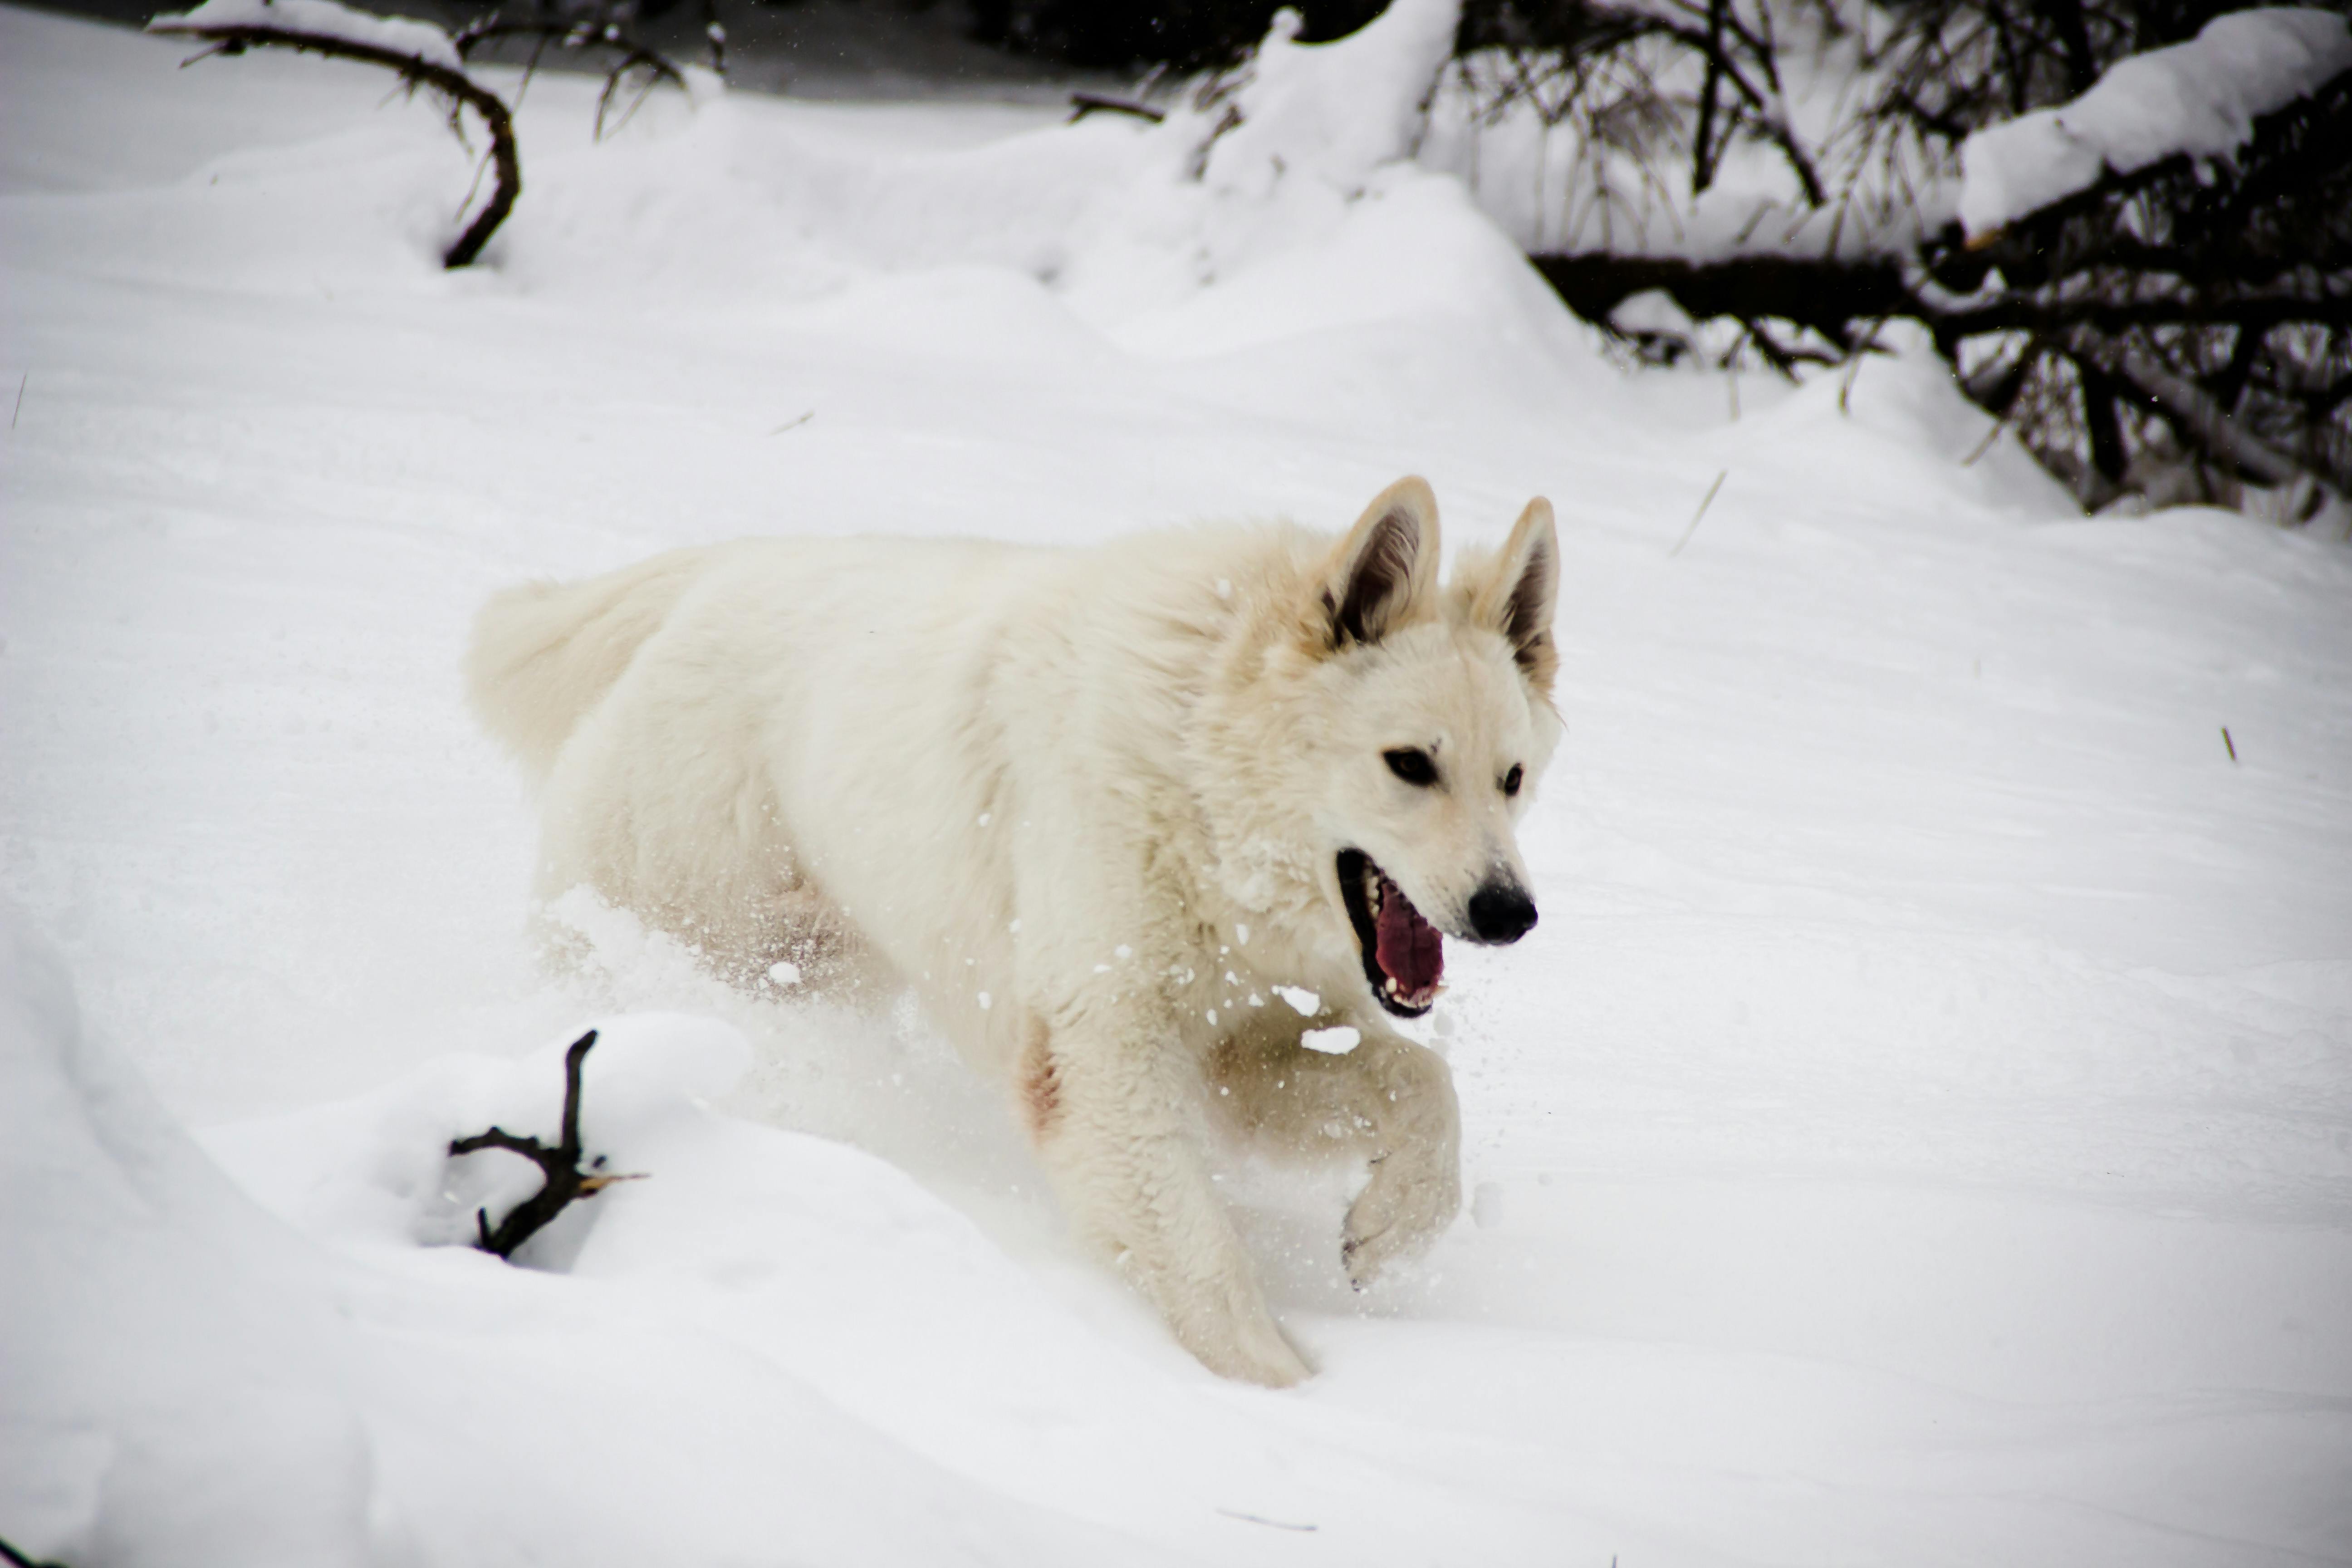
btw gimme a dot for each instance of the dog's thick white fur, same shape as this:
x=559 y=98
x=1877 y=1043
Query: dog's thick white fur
x=1095 y=805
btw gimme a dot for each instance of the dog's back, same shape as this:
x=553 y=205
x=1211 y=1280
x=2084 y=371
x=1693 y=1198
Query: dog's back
x=542 y=654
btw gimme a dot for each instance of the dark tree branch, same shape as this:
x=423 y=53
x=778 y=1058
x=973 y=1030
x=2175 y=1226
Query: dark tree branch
x=1825 y=296
x=1084 y=103
x=16 y=1558
x=562 y=1178
x=1703 y=138
x=462 y=91
x=2194 y=414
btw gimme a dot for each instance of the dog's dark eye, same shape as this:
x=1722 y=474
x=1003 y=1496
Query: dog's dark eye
x=1512 y=780
x=1411 y=766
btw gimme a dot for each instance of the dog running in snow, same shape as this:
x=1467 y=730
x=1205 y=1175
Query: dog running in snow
x=1095 y=805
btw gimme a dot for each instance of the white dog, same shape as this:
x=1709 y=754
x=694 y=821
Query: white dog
x=1095 y=805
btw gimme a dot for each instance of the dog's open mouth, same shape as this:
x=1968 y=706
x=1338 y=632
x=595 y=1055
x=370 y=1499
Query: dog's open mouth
x=1404 y=955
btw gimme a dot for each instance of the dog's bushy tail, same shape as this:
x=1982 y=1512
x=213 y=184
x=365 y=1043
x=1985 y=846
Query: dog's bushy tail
x=543 y=654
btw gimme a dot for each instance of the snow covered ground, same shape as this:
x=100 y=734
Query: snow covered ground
x=1919 y=1132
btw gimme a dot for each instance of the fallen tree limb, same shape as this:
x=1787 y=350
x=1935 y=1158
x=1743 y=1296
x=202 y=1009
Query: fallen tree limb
x=1836 y=297
x=2182 y=327
x=2186 y=405
x=1828 y=295
x=562 y=1178
x=461 y=90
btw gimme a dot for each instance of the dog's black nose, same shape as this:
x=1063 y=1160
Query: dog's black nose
x=1501 y=913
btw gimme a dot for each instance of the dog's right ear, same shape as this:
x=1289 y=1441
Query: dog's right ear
x=1386 y=565
x=1517 y=591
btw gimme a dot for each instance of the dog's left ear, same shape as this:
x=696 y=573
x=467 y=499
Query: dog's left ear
x=1520 y=591
x=1386 y=565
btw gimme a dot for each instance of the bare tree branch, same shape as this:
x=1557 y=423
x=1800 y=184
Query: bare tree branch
x=462 y=91
x=631 y=55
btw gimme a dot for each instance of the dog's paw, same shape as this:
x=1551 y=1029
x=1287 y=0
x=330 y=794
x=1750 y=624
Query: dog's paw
x=1272 y=1364
x=1398 y=1213
x=1218 y=1313
x=1248 y=1348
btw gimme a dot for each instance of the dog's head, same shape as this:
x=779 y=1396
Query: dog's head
x=1438 y=723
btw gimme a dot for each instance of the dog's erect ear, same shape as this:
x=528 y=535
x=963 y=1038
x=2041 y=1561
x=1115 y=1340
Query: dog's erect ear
x=1521 y=590
x=1387 y=563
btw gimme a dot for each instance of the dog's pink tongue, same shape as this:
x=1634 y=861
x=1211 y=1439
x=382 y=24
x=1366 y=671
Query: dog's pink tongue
x=1411 y=951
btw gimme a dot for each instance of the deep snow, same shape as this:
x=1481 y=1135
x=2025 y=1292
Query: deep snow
x=1920 y=1130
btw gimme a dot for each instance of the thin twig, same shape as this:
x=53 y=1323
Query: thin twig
x=27 y=381
x=794 y=424
x=1084 y=103
x=1257 y=1519
x=2233 y=745
x=1701 y=512
x=1854 y=363
x=1986 y=444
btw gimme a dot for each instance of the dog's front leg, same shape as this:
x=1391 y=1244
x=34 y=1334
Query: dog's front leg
x=1388 y=1100
x=1113 y=1105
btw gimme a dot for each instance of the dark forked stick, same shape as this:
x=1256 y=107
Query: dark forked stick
x=561 y=1181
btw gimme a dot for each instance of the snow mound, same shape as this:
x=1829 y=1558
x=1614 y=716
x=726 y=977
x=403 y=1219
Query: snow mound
x=324 y=18
x=2200 y=98
x=190 y=1381
x=1333 y=112
x=1265 y=175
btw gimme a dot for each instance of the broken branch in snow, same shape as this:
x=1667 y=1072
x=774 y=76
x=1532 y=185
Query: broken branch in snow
x=370 y=40
x=562 y=1178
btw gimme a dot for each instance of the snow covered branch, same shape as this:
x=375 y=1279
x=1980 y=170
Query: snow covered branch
x=562 y=1178
x=2199 y=100
x=2151 y=278
x=422 y=54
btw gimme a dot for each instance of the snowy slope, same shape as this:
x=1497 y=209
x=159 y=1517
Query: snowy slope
x=1920 y=1130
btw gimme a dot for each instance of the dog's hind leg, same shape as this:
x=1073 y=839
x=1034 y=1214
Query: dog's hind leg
x=1113 y=1107
x=1388 y=1102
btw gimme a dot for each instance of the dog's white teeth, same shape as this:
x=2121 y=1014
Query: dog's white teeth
x=1394 y=989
